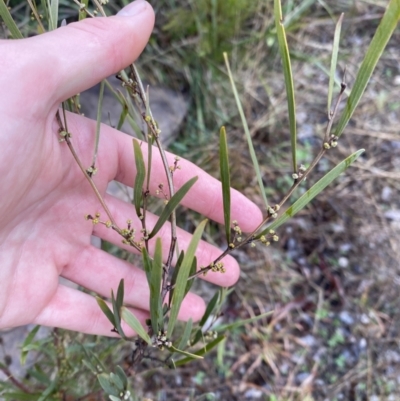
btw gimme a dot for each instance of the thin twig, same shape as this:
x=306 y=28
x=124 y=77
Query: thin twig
x=114 y=225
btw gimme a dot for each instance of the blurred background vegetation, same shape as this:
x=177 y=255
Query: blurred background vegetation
x=333 y=280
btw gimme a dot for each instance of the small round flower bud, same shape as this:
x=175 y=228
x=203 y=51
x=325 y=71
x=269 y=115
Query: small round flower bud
x=327 y=146
x=295 y=176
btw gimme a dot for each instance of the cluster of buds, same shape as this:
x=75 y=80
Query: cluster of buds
x=273 y=211
x=300 y=172
x=125 y=395
x=128 y=233
x=63 y=135
x=95 y=219
x=145 y=234
x=152 y=124
x=91 y=171
x=331 y=143
x=161 y=341
x=175 y=166
x=210 y=335
x=160 y=191
x=32 y=15
x=217 y=267
x=237 y=234
x=271 y=236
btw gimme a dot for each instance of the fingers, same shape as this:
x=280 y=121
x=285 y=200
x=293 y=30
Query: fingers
x=74 y=310
x=116 y=161
x=204 y=197
x=76 y=57
x=101 y=272
x=205 y=253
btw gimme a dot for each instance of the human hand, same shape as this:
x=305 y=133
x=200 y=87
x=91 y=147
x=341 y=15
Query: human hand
x=44 y=195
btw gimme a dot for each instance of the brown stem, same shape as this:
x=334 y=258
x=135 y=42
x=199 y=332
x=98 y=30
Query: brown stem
x=89 y=179
x=14 y=381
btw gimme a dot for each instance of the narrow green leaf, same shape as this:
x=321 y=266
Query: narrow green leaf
x=382 y=35
x=122 y=117
x=207 y=348
x=156 y=313
x=121 y=374
x=190 y=355
x=175 y=275
x=93 y=362
x=148 y=264
x=226 y=182
x=116 y=381
x=190 y=282
x=210 y=308
x=117 y=315
x=49 y=390
x=297 y=12
x=9 y=21
x=120 y=294
x=28 y=340
x=98 y=123
x=19 y=395
x=132 y=321
x=106 y=384
x=184 y=271
x=197 y=337
x=312 y=192
x=116 y=93
x=153 y=269
x=287 y=73
x=335 y=51
x=140 y=176
x=228 y=327
x=149 y=160
x=183 y=343
x=106 y=310
x=171 y=205
x=247 y=133
x=53 y=14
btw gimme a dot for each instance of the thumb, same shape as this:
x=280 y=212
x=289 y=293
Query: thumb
x=73 y=58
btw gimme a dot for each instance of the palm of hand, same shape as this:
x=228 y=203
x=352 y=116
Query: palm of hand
x=44 y=194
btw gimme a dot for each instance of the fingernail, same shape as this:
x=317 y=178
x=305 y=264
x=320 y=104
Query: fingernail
x=132 y=9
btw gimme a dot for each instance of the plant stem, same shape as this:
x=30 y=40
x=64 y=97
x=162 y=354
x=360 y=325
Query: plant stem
x=63 y=127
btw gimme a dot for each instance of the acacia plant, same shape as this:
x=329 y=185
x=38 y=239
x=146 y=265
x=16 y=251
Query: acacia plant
x=169 y=284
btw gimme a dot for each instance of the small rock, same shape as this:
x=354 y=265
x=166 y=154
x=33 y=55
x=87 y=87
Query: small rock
x=169 y=109
x=393 y=215
x=308 y=340
x=363 y=343
x=346 y=318
x=344 y=248
x=253 y=394
x=386 y=194
x=364 y=319
x=343 y=262
x=396 y=80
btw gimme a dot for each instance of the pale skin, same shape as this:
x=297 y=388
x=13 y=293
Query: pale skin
x=44 y=196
